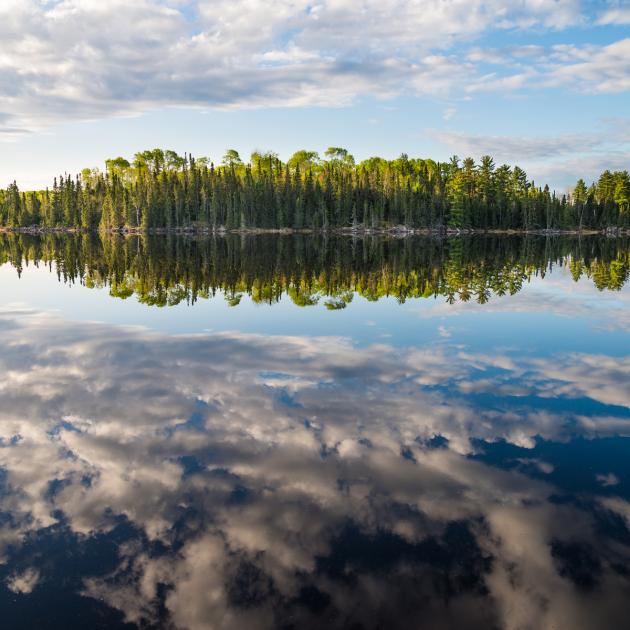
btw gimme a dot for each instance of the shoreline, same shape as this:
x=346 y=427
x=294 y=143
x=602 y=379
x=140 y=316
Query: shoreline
x=396 y=231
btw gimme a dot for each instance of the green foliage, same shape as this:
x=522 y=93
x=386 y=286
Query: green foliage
x=161 y=189
x=310 y=270
x=303 y=160
x=232 y=158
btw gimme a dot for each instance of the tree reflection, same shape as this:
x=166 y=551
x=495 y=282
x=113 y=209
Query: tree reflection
x=168 y=270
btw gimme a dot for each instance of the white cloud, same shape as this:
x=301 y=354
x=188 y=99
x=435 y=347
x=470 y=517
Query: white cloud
x=510 y=147
x=125 y=410
x=85 y=59
x=593 y=69
x=588 y=68
x=620 y=15
x=501 y=56
x=449 y=112
x=556 y=160
x=589 y=166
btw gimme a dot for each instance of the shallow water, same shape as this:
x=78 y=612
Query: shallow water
x=304 y=432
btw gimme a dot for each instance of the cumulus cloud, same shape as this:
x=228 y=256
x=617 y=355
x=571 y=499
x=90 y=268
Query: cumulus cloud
x=590 y=376
x=587 y=68
x=82 y=59
x=594 y=69
x=615 y=15
x=23 y=583
x=245 y=457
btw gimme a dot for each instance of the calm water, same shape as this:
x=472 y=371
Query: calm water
x=293 y=432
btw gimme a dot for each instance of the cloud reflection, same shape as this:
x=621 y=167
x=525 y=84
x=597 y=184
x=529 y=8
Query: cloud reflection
x=251 y=481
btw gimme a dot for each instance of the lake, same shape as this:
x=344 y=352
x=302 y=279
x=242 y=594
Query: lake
x=314 y=432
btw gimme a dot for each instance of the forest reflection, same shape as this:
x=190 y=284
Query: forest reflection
x=168 y=270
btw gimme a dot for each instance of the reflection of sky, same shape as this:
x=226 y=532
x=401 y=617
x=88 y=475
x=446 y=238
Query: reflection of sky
x=551 y=314
x=447 y=465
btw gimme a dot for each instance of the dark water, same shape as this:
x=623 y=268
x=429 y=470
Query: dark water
x=291 y=432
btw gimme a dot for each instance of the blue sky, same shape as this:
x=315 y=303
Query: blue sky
x=541 y=83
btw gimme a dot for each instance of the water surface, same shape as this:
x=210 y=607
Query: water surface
x=295 y=432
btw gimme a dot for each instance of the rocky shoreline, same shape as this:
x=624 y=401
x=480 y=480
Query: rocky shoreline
x=395 y=231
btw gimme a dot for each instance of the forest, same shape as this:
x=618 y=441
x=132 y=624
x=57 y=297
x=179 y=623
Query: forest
x=314 y=269
x=161 y=190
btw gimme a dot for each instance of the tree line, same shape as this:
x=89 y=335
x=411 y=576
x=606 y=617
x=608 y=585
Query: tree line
x=309 y=270
x=163 y=190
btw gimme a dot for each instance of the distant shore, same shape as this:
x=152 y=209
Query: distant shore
x=396 y=231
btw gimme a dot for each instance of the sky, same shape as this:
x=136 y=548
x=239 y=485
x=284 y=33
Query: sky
x=544 y=84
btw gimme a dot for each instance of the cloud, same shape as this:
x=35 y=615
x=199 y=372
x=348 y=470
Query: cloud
x=620 y=16
x=607 y=480
x=587 y=68
x=591 y=69
x=87 y=59
x=501 y=56
x=557 y=295
x=588 y=376
x=449 y=112
x=563 y=172
x=552 y=159
x=525 y=147
x=239 y=460
x=25 y=582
